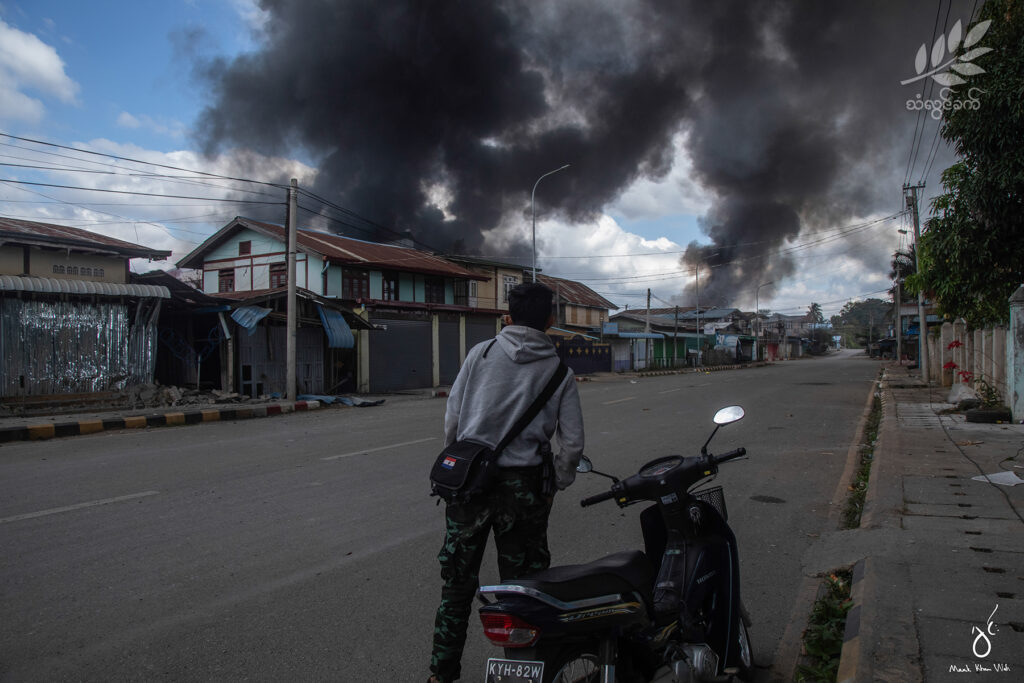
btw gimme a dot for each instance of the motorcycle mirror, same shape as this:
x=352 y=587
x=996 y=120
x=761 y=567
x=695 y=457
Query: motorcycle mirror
x=729 y=415
x=584 y=465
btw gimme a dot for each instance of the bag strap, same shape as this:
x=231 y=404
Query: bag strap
x=535 y=407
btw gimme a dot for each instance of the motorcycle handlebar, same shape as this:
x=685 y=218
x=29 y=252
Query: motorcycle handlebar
x=731 y=455
x=593 y=500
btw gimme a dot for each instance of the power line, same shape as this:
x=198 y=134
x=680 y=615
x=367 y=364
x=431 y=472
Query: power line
x=138 y=194
x=139 y=161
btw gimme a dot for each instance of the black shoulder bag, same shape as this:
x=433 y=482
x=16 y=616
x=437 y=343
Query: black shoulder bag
x=466 y=469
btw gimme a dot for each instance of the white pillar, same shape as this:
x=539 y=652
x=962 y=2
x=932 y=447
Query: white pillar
x=945 y=354
x=1015 y=356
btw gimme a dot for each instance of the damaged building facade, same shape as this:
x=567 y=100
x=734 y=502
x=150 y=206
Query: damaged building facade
x=373 y=317
x=71 y=320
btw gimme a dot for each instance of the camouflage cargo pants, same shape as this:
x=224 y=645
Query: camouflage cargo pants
x=517 y=511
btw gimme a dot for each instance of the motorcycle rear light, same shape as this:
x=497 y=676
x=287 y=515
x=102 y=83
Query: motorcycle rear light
x=508 y=630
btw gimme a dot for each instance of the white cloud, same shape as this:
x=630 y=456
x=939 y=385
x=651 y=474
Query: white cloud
x=126 y=120
x=29 y=64
x=158 y=222
x=677 y=193
x=174 y=129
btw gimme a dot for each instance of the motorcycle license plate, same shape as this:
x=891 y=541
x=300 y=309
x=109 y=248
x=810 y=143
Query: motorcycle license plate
x=514 y=671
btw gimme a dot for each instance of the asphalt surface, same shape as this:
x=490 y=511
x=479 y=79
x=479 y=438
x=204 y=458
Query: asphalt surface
x=302 y=546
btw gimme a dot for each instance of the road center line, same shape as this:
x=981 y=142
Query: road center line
x=669 y=391
x=79 y=506
x=619 y=400
x=380 y=448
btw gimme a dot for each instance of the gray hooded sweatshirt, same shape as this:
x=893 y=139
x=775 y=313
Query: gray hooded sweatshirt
x=492 y=391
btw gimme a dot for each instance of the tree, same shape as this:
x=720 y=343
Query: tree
x=972 y=247
x=902 y=266
x=814 y=314
x=862 y=321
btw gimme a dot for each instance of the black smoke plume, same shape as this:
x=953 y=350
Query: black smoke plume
x=436 y=117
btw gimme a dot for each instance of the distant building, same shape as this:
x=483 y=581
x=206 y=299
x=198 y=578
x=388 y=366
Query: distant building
x=71 y=322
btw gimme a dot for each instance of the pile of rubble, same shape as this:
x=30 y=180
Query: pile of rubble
x=159 y=396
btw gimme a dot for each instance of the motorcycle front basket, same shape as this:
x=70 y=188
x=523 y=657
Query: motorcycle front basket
x=714 y=497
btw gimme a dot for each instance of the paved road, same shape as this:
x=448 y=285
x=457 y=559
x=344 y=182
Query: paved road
x=303 y=547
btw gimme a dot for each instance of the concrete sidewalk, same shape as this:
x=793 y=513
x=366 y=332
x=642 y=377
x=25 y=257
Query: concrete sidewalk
x=938 y=560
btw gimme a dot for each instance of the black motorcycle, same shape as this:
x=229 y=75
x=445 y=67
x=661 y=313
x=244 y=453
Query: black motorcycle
x=669 y=614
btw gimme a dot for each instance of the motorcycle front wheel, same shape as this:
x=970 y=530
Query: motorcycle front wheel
x=746 y=668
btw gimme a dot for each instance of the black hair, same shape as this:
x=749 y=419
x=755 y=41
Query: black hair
x=529 y=304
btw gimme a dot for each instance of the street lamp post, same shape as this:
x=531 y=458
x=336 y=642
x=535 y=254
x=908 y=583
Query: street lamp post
x=757 y=316
x=534 y=212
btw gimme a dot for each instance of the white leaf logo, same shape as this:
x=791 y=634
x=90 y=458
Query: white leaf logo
x=938 y=51
x=947 y=79
x=954 y=36
x=968 y=69
x=922 y=59
x=942 y=73
x=976 y=33
x=975 y=53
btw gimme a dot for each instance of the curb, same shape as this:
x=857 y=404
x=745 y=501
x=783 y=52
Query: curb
x=170 y=419
x=850 y=656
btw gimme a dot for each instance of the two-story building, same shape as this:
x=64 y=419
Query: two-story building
x=71 y=321
x=376 y=317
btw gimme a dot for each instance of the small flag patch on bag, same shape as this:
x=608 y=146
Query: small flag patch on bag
x=448 y=462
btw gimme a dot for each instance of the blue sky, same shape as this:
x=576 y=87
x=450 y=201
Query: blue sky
x=130 y=63
x=118 y=77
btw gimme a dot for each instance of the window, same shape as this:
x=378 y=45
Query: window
x=433 y=289
x=389 y=287
x=226 y=280
x=355 y=284
x=510 y=282
x=245 y=248
x=465 y=292
x=278 y=275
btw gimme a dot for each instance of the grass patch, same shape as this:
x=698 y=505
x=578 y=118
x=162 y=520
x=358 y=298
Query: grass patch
x=823 y=638
x=859 y=488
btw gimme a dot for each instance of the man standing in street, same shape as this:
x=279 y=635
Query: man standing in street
x=496 y=385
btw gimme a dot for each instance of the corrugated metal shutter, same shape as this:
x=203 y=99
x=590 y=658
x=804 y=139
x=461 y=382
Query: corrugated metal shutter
x=479 y=329
x=400 y=355
x=448 y=339
x=263 y=364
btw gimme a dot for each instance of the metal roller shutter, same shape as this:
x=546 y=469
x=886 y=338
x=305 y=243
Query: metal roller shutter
x=400 y=355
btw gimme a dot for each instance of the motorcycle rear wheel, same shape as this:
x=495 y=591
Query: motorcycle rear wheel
x=578 y=664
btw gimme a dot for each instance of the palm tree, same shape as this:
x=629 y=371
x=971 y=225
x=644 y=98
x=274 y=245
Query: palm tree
x=904 y=263
x=814 y=314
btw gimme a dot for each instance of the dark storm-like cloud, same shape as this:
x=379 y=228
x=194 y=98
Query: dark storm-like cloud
x=792 y=111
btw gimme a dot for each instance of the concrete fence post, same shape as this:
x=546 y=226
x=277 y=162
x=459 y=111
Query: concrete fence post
x=1015 y=356
x=977 y=357
x=960 y=352
x=999 y=345
x=934 y=356
x=987 y=356
x=945 y=354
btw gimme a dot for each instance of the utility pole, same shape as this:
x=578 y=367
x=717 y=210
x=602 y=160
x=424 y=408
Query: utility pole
x=899 y=320
x=922 y=326
x=292 y=229
x=696 y=281
x=675 y=341
x=648 y=343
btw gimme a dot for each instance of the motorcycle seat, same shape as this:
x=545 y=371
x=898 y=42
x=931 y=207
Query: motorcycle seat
x=622 y=572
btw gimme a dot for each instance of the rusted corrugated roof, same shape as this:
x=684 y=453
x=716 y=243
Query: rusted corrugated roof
x=344 y=250
x=575 y=292
x=49 y=234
